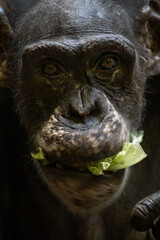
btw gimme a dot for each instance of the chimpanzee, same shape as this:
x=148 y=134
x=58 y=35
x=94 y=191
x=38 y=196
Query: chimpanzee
x=77 y=77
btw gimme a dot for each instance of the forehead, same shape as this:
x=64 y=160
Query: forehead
x=52 y=18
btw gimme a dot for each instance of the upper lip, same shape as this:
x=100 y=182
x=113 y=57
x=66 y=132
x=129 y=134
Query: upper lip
x=83 y=125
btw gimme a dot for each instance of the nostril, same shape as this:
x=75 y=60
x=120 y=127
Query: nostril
x=88 y=109
x=86 y=116
x=79 y=112
x=83 y=112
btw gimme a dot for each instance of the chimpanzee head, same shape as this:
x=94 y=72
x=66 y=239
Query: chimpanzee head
x=77 y=70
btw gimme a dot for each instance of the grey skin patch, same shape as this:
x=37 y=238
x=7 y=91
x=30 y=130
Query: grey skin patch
x=69 y=145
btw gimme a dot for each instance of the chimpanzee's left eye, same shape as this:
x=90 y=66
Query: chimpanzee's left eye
x=108 y=62
x=51 y=69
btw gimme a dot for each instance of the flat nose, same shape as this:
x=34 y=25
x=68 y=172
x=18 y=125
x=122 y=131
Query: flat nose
x=85 y=103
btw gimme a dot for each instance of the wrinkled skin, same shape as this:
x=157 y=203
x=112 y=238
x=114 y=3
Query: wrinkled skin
x=80 y=83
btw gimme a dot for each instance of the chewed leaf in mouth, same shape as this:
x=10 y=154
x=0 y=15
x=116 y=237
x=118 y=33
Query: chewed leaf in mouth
x=39 y=155
x=130 y=154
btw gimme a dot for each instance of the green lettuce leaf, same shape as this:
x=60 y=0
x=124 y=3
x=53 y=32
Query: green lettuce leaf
x=40 y=156
x=130 y=154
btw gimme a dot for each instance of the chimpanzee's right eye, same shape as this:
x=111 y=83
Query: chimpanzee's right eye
x=51 y=69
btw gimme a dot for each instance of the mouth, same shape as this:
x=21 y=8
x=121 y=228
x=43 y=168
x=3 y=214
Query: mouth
x=80 y=169
x=130 y=154
x=41 y=157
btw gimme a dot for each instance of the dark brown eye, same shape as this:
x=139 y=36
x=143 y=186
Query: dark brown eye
x=108 y=63
x=51 y=69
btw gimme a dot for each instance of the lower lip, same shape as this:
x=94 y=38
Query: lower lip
x=70 y=170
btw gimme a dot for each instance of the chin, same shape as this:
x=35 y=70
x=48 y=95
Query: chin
x=80 y=191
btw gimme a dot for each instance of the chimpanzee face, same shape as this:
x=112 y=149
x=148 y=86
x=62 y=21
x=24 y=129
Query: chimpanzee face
x=78 y=87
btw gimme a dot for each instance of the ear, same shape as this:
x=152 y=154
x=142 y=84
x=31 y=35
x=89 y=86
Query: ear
x=151 y=17
x=150 y=33
x=5 y=38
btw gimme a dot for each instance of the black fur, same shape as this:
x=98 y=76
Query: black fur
x=82 y=115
